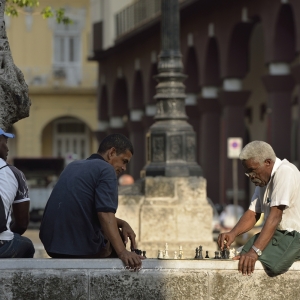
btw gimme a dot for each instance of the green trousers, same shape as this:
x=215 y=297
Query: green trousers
x=280 y=253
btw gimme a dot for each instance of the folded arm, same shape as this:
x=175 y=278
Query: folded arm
x=110 y=224
x=21 y=217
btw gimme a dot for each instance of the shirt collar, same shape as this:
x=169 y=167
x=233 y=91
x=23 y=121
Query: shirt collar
x=2 y=162
x=277 y=163
x=96 y=156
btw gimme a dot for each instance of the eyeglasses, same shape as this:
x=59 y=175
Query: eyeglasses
x=252 y=173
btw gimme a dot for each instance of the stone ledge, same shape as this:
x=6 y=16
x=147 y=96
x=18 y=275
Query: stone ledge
x=116 y=264
x=158 y=280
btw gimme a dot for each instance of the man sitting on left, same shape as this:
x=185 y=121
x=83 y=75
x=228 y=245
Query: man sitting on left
x=13 y=197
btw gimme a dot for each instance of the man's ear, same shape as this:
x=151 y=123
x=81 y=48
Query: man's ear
x=111 y=153
x=268 y=162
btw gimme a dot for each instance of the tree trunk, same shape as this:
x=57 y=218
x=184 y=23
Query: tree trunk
x=14 y=99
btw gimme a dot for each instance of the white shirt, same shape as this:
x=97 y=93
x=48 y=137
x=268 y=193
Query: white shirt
x=282 y=189
x=11 y=191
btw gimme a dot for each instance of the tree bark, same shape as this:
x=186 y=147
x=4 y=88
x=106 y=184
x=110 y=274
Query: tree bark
x=14 y=98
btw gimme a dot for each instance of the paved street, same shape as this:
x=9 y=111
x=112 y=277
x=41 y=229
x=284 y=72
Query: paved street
x=33 y=235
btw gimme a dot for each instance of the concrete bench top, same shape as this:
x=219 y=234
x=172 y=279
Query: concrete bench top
x=115 y=264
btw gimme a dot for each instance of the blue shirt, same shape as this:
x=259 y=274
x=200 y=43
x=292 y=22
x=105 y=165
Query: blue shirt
x=70 y=223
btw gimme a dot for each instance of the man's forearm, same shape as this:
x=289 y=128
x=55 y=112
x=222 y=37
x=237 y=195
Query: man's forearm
x=269 y=228
x=18 y=229
x=246 y=222
x=109 y=224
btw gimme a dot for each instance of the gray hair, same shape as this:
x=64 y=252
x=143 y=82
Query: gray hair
x=259 y=151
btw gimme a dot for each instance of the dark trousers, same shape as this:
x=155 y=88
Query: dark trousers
x=18 y=247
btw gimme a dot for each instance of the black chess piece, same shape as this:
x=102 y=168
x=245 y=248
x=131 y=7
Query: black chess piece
x=226 y=254
x=223 y=254
x=200 y=253
x=144 y=254
x=206 y=256
x=216 y=254
x=197 y=253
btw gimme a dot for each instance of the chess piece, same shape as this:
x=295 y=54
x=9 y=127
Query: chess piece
x=166 y=255
x=216 y=254
x=206 y=256
x=175 y=255
x=200 y=256
x=180 y=252
x=197 y=253
x=160 y=254
x=232 y=253
x=144 y=254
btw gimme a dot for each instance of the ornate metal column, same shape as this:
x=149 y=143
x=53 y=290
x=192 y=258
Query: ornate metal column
x=171 y=141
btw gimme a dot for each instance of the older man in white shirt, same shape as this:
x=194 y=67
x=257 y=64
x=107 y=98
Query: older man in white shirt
x=277 y=195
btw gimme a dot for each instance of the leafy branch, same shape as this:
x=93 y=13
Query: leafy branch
x=12 y=8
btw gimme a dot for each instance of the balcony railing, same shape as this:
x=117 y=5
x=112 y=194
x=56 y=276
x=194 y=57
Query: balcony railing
x=136 y=15
x=61 y=76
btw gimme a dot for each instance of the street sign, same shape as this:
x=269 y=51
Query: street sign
x=234 y=147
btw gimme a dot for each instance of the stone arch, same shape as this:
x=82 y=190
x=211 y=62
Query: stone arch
x=120 y=98
x=103 y=113
x=66 y=134
x=211 y=76
x=138 y=91
x=191 y=70
x=285 y=35
x=238 y=56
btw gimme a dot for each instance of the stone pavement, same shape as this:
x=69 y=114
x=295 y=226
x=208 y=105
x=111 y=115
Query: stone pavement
x=33 y=235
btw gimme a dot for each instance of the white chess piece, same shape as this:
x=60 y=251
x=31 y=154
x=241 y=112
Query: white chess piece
x=160 y=254
x=180 y=252
x=175 y=255
x=166 y=251
x=231 y=253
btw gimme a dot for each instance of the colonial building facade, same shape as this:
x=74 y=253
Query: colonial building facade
x=62 y=88
x=241 y=59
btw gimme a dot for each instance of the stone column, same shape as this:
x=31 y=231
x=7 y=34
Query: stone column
x=14 y=99
x=296 y=74
x=101 y=133
x=116 y=125
x=210 y=111
x=194 y=119
x=137 y=137
x=279 y=84
x=232 y=99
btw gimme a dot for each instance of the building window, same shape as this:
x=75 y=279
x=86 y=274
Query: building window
x=67 y=53
x=71 y=139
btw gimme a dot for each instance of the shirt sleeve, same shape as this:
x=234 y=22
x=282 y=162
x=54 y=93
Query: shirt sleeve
x=283 y=187
x=22 y=192
x=255 y=204
x=106 y=195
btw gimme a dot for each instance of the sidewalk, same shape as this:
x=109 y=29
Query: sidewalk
x=33 y=235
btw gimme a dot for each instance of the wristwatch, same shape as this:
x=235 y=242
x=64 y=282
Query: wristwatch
x=258 y=251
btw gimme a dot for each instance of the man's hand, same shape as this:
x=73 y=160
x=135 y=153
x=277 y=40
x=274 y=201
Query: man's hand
x=127 y=232
x=131 y=260
x=226 y=238
x=247 y=262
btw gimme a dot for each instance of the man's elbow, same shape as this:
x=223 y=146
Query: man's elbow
x=20 y=227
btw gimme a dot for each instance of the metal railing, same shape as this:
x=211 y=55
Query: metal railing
x=61 y=76
x=137 y=14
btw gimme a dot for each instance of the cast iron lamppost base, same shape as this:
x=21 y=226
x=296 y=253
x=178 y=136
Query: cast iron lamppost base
x=171 y=140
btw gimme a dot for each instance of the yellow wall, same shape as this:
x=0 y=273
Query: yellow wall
x=33 y=50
